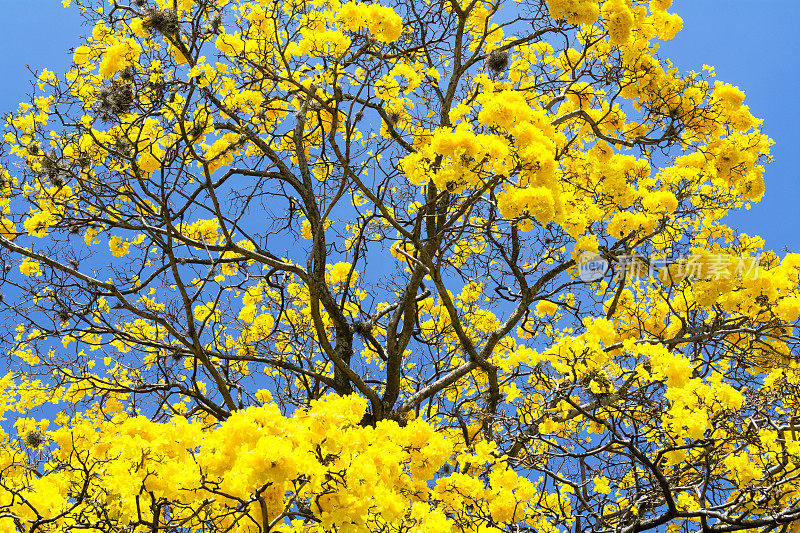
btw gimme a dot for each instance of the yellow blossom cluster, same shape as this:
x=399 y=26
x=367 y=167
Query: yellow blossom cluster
x=353 y=475
x=575 y=11
x=381 y=21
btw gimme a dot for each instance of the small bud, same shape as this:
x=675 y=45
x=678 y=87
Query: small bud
x=362 y=327
x=197 y=130
x=401 y=417
x=497 y=61
x=114 y=99
x=124 y=146
x=127 y=73
x=164 y=21
x=34 y=439
x=216 y=21
x=304 y=507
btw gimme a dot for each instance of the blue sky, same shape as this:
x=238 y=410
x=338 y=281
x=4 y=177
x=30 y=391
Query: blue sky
x=752 y=43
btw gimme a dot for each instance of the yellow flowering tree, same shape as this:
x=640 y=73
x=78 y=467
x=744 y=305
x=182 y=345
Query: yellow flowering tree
x=458 y=265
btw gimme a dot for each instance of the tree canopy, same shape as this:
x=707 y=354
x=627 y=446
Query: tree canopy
x=396 y=266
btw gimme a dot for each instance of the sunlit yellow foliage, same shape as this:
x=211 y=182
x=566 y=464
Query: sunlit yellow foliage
x=444 y=266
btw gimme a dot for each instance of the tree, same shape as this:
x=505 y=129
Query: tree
x=304 y=265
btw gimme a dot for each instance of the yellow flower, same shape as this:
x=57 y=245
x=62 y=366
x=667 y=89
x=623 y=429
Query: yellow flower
x=788 y=308
x=382 y=21
x=618 y=19
x=338 y=273
x=81 y=55
x=574 y=11
x=7 y=228
x=38 y=224
x=118 y=56
x=546 y=307
x=305 y=231
x=601 y=485
x=742 y=468
x=204 y=311
x=118 y=247
x=511 y=391
x=231 y=45
x=137 y=27
x=729 y=96
x=30 y=267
